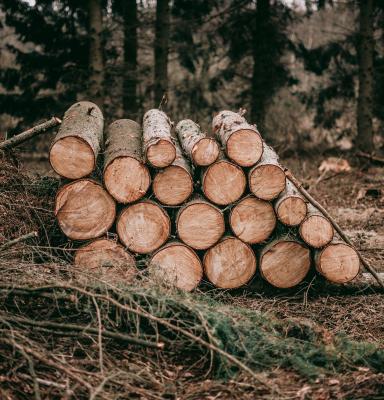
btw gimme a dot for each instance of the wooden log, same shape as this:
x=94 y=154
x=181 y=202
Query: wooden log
x=290 y=206
x=159 y=147
x=126 y=177
x=267 y=178
x=201 y=149
x=242 y=141
x=200 y=224
x=284 y=263
x=174 y=184
x=107 y=260
x=143 y=227
x=84 y=210
x=229 y=264
x=177 y=265
x=76 y=146
x=316 y=230
x=252 y=220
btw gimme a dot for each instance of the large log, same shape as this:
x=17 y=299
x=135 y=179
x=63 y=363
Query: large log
x=252 y=220
x=177 y=265
x=200 y=224
x=126 y=177
x=290 y=206
x=267 y=178
x=84 y=210
x=159 y=147
x=242 y=141
x=77 y=144
x=174 y=184
x=284 y=263
x=229 y=264
x=143 y=227
x=201 y=149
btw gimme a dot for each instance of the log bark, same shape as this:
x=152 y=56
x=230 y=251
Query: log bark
x=76 y=146
x=174 y=184
x=200 y=224
x=242 y=142
x=290 y=206
x=177 y=265
x=159 y=147
x=201 y=149
x=267 y=178
x=284 y=263
x=126 y=177
x=252 y=220
x=84 y=210
x=229 y=264
x=316 y=230
x=143 y=227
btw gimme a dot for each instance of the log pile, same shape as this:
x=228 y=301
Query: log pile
x=193 y=206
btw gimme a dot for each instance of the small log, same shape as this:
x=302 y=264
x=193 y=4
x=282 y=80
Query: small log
x=229 y=264
x=252 y=220
x=126 y=177
x=143 y=227
x=290 y=206
x=177 y=265
x=159 y=147
x=201 y=149
x=107 y=260
x=84 y=210
x=267 y=178
x=242 y=141
x=174 y=184
x=284 y=263
x=316 y=230
x=76 y=146
x=200 y=224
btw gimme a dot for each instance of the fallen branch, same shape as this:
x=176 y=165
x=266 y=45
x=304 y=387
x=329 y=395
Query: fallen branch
x=370 y=157
x=11 y=243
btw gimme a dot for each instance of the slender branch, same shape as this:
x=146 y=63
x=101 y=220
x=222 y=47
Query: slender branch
x=370 y=157
x=11 y=243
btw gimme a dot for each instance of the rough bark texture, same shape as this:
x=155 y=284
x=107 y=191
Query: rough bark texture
x=77 y=144
x=201 y=150
x=159 y=147
x=126 y=177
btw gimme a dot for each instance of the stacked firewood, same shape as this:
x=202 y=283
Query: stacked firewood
x=192 y=204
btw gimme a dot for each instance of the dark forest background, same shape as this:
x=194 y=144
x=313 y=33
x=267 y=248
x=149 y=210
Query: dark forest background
x=310 y=73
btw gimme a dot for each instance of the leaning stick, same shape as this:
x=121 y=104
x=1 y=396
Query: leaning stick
x=11 y=243
x=30 y=133
x=300 y=188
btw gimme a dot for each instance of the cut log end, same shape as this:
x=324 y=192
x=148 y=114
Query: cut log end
x=72 y=157
x=316 y=230
x=177 y=265
x=252 y=220
x=127 y=179
x=229 y=264
x=84 y=210
x=161 y=154
x=266 y=181
x=205 y=152
x=245 y=147
x=292 y=210
x=285 y=264
x=143 y=227
x=338 y=263
x=173 y=185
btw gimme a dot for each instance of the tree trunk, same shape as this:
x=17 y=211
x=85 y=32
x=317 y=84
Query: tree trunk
x=84 y=210
x=201 y=150
x=161 y=49
x=96 y=58
x=365 y=56
x=143 y=227
x=130 y=104
x=229 y=264
x=126 y=177
x=242 y=141
x=76 y=146
x=200 y=224
x=284 y=263
x=177 y=265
